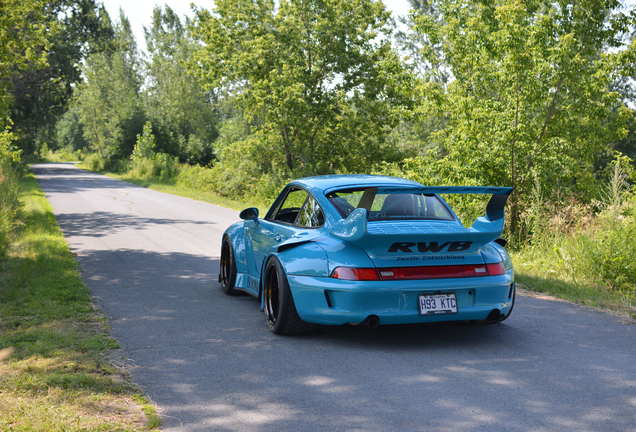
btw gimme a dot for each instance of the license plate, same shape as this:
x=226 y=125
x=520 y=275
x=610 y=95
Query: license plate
x=438 y=304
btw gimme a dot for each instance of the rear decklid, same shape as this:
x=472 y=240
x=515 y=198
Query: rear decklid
x=397 y=243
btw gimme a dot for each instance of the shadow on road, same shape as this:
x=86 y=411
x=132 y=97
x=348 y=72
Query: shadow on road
x=102 y=223
x=55 y=179
x=212 y=365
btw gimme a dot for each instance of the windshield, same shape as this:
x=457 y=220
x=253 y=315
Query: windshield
x=389 y=204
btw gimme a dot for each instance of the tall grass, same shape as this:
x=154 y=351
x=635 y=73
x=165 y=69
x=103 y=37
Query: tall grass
x=586 y=253
x=10 y=172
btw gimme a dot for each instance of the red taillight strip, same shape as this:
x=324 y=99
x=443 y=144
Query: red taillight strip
x=420 y=272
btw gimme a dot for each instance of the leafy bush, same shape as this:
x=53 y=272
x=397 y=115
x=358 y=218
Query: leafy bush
x=10 y=172
x=65 y=154
x=94 y=162
x=145 y=163
x=197 y=178
x=160 y=166
x=146 y=144
x=594 y=254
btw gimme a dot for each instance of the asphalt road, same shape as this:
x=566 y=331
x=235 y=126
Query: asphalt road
x=207 y=360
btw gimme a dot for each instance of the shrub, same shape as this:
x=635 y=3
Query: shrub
x=197 y=177
x=160 y=166
x=94 y=162
x=146 y=144
x=10 y=172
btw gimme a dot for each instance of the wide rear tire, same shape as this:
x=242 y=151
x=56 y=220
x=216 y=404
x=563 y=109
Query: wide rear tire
x=227 y=268
x=281 y=316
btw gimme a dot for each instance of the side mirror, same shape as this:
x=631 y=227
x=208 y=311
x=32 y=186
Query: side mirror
x=501 y=241
x=250 y=213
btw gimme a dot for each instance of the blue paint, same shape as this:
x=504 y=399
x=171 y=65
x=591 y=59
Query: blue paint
x=309 y=255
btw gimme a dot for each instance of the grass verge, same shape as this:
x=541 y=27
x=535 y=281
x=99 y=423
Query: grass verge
x=618 y=303
x=54 y=375
x=169 y=187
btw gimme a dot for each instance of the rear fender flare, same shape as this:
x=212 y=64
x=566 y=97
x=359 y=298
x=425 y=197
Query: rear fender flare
x=305 y=258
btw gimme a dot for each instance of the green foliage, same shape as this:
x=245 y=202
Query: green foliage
x=41 y=94
x=530 y=103
x=317 y=82
x=146 y=163
x=9 y=189
x=146 y=144
x=174 y=101
x=160 y=166
x=585 y=258
x=108 y=102
x=23 y=31
x=69 y=132
x=94 y=162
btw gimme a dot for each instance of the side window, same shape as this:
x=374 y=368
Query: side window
x=290 y=207
x=311 y=214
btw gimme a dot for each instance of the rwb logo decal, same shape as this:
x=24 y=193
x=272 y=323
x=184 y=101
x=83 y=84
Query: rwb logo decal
x=456 y=246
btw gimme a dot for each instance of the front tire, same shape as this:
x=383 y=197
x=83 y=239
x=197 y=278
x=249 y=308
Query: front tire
x=281 y=316
x=227 y=269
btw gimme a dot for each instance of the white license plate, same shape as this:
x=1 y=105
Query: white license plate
x=438 y=304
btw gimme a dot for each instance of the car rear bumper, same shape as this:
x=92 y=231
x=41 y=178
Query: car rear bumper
x=323 y=300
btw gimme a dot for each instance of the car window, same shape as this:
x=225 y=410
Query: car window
x=290 y=207
x=310 y=215
x=390 y=205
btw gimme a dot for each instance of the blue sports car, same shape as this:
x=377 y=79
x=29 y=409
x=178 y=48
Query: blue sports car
x=363 y=249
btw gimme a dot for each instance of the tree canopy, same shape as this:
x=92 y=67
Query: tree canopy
x=534 y=94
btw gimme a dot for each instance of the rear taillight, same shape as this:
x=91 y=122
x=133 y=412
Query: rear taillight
x=350 y=273
x=420 y=272
x=495 y=269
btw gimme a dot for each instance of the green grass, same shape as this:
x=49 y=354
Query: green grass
x=170 y=187
x=593 y=264
x=53 y=371
x=598 y=297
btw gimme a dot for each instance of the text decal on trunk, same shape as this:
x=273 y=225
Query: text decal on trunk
x=455 y=246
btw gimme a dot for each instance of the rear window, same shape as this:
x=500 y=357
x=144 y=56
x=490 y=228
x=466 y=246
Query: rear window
x=389 y=204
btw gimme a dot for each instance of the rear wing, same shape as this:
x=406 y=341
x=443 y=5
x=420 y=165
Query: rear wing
x=489 y=227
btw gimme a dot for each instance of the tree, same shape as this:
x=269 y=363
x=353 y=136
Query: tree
x=176 y=103
x=41 y=92
x=530 y=103
x=23 y=27
x=318 y=81
x=108 y=102
x=69 y=131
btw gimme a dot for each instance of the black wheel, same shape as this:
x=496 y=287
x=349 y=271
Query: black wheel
x=227 y=270
x=280 y=312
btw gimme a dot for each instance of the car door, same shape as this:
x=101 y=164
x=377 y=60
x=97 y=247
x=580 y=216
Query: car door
x=279 y=224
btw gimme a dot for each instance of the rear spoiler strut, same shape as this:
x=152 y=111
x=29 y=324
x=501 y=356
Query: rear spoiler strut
x=354 y=227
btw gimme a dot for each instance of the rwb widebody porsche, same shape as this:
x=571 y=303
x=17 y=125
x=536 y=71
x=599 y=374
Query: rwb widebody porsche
x=362 y=249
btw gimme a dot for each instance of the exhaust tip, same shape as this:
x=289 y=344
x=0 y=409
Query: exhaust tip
x=494 y=316
x=372 y=321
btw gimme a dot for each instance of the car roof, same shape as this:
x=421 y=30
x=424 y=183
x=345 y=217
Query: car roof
x=326 y=182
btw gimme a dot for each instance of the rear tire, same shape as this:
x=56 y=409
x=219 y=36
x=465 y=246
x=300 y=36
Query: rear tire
x=227 y=269
x=281 y=316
